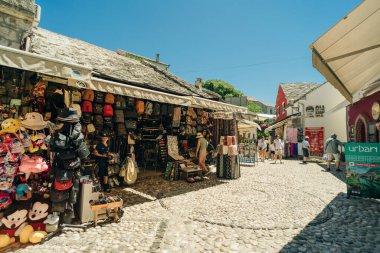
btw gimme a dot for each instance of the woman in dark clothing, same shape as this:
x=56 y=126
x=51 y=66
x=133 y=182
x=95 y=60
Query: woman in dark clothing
x=102 y=152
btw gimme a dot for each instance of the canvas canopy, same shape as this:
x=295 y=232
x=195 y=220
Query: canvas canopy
x=19 y=59
x=348 y=54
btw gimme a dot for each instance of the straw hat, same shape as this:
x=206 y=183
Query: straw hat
x=34 y=121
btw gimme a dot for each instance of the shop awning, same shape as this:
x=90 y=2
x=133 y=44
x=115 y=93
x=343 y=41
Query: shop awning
x=348 y=54
x=247 y=124
x=20 y=59
x=217 y=106
x=281 y=122
x=99 y=84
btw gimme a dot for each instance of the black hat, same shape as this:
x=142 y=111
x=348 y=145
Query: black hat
x=69 y=115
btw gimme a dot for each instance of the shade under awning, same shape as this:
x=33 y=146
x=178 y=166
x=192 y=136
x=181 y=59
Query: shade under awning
x=19 y=59
x=348 y=54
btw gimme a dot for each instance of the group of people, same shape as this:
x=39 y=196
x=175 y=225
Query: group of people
x=331 y=148
x=269 y=149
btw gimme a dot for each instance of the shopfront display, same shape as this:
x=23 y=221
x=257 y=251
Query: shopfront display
x=47 y=140
x=363 y=169
x=316 y=140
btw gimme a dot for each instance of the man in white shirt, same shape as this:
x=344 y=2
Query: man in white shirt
x=278 y=146
x=306 y=149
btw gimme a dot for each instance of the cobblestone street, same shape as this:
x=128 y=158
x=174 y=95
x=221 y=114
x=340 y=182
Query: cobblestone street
x=286 y=207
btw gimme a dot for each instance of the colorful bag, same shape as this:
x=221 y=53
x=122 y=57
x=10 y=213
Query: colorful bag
x=108 y=122
x=156 y=109
x=120 y=103
x=88 y=95
x=140 y=106
x=119 y=116
x=149 y=108
x=131 y=124
x=121 y=129
x=99 y=97
x=76 y=96
x=107 y=111
x=86 y=118
x=98 y=120
x=5 y=200
x=109 y=99
x=87 y=107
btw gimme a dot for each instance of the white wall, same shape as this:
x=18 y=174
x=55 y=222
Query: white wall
x=334 y=119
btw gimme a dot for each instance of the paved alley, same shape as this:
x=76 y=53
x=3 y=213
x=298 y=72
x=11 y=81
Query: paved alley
x=286 y=207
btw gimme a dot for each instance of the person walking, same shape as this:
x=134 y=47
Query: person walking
x=101 y=153
x=272 y=150
x=279 y=148
x=305 y=149
x=332 y=151
x=267 y=148
x=201 y=151
x=262 y=148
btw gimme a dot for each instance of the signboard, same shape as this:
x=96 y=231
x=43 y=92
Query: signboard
x=363 y=169
x=316 y=140
x=315 y=111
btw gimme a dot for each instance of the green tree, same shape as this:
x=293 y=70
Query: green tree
x=223 y=88
x=253 y=107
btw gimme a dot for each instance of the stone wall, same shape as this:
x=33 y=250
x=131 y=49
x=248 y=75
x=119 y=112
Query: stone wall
x=16 y=18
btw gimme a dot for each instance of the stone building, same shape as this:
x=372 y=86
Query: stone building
x=17 y=18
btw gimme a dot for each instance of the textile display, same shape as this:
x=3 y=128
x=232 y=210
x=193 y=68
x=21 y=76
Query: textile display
x=291 y=134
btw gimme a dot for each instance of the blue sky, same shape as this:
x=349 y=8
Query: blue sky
x=253 y=44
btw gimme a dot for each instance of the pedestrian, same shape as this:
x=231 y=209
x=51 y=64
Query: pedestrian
x=102 y=153
x=267 y=148
x=272 y=150
x=201 y=152
x=332 y=151
x=262 y=148
x=279 y=148
x=305 y=149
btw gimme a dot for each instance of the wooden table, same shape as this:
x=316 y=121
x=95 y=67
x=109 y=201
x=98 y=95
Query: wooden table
x=113 y=205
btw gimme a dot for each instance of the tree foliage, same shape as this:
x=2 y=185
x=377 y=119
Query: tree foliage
x=223 y=88
x=253 y=107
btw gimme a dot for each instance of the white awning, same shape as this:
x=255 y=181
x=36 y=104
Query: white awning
x=348 y=54
x=20 y=59
x=99 y=84
x=247 y=124
x=217 y=106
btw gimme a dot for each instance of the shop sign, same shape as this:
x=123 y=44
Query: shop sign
x=315 y=111
x=316 y=140
x=363 y=169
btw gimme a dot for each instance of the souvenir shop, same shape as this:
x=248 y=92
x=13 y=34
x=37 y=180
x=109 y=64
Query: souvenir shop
x=49 y=130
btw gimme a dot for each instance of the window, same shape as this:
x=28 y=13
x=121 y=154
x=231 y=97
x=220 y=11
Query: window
x=283 y=107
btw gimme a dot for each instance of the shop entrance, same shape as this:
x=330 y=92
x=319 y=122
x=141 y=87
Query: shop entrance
x=361 y=135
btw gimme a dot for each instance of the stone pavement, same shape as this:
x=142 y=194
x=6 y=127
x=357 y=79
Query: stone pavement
x=272 y=208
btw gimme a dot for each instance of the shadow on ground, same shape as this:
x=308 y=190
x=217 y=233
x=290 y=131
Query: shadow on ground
x=156 y=187
x=345 y=225
x=340 y=175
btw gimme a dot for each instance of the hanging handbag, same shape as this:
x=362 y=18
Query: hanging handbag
x=130 y=114
x=98 y=109
x=99 y=97
x=86 y=118
x=131 y=124
x=108 y=122
x=98 y=120
x=121 y=129
x=119 y=116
